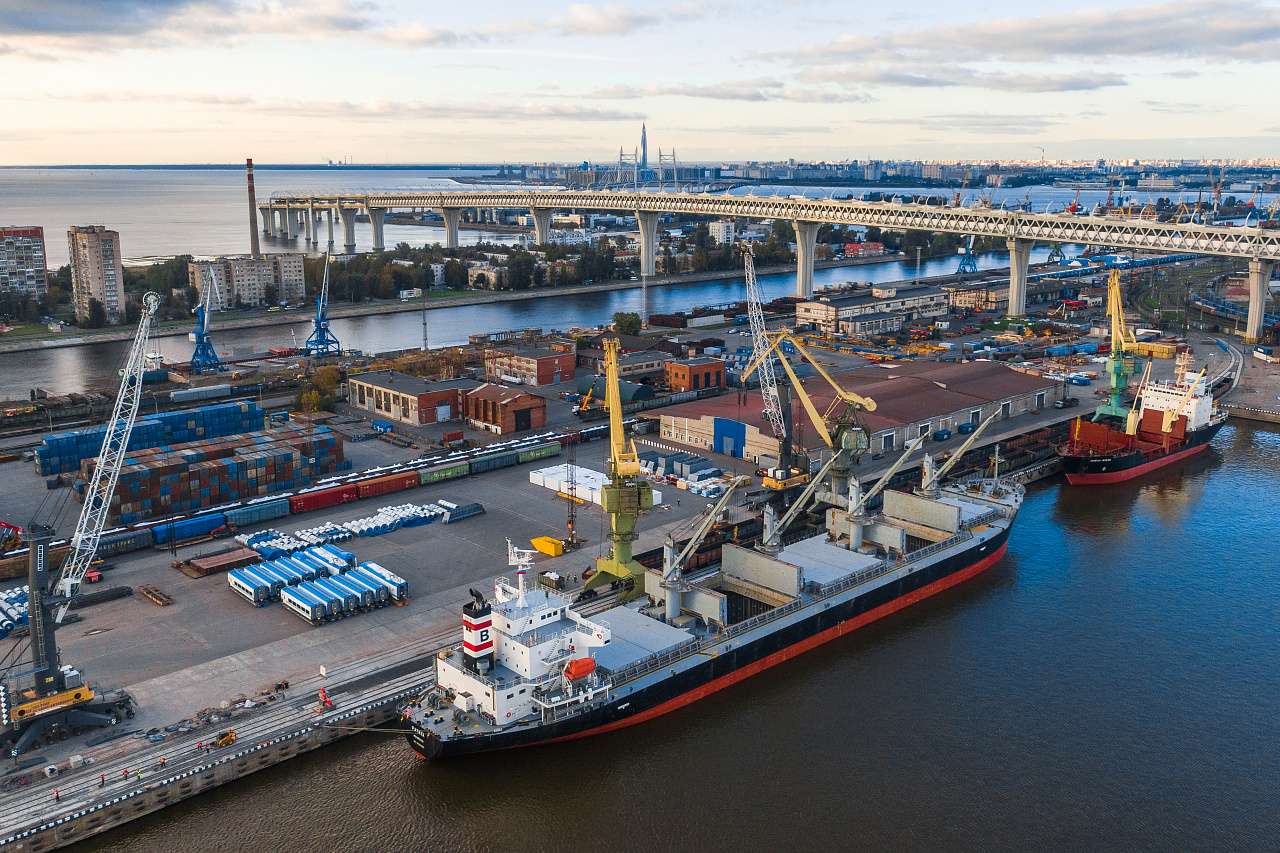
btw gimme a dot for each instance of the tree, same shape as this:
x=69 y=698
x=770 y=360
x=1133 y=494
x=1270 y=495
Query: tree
x=326 y=379
x=626 y=323
x=520 y=267
x=309 y=401
x=455 y=275
x=271 y=294
x=97 y=315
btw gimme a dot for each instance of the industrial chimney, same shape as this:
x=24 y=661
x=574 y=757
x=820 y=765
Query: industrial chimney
x=253 y=210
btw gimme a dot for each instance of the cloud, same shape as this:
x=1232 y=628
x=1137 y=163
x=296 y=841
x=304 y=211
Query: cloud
x=613 y=19
x=758 y=91
x=986 y=54
x=60 y=17
x=999 y=125
x=1182 y=107
x=768 y=130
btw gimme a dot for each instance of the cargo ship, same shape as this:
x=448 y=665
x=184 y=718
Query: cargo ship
x=1169 y=422
x=533 y=668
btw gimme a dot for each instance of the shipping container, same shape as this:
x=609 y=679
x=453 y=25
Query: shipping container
x=387 y=484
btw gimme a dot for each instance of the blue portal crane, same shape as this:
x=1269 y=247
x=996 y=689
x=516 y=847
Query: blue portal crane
x=968 y=260
x=204 y=359
x=322 y=341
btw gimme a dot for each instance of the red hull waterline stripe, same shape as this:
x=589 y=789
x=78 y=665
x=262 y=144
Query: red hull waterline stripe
x=1135 y=471
x=794 y=650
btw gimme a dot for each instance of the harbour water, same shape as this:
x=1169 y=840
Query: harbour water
x=78 y=368
x=1112 y=684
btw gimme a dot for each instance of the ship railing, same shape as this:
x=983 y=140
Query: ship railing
x=985 y=518
x=929 y=550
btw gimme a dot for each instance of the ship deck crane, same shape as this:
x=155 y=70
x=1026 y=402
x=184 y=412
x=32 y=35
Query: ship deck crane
x=58 y=698
x=204 y=358
x=322 y=341
x=626 y=494
x=673 y=564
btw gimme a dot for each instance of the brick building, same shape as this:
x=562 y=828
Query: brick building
x=694 y=374
x=407 y=399
x=529 y=365
x=502 y=410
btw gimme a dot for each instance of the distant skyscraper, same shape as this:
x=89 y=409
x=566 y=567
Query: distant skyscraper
x=22 y=264
x=96 y=271
x=644 y=147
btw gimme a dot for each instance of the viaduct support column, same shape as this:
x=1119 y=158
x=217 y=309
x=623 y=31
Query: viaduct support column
x=806 y=240
x=376 y=217
x=348 y=215
x=290 y=224
x=328 y=216
x=648 y=223
x=268 y=221
x=541 y=224
x=1019 y=259
x=310 y=214
x=452 y=216
x=1259 y=281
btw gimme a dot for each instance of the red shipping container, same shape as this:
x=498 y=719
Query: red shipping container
x=386 y=485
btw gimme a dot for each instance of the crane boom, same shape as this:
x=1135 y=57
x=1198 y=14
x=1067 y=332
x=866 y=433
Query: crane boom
x=102 y=483
x=760 y=346
x=934 y=478
x=624 y=461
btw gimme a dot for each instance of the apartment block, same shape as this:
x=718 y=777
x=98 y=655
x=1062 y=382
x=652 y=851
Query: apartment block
x=22 y=260
x=96 y=271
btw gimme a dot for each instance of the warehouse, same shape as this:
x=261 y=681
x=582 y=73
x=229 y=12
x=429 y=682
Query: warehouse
x=912 y=399
x=407 y=399
x=695 y=373
x=529 y=365
x=994 y=295
x=502 y=410
x=876 y=323
x=825 y=313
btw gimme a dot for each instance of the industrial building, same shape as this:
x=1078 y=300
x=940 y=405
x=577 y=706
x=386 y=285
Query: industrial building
x=407 y=399
x=529 y=365
x=994 y=295
x=912 y=399
x=695 y=373
x=914 y=302
x=876 y=323
x=22 y=260
x=245 y=281
x=502 y=410
x=97 y=273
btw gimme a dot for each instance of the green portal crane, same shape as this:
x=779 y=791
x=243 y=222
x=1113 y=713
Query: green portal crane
x=1121 y=363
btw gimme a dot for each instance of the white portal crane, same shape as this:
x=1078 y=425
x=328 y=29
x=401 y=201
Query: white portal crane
x=102 y=483
x=760 y=345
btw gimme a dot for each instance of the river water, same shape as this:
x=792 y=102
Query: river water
x=1111 y=685
x=77 y=368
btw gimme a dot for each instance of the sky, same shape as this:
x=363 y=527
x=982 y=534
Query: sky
x=395 y=81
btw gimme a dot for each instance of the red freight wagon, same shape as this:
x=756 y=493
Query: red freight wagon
x=386 y=485
x=324 y=498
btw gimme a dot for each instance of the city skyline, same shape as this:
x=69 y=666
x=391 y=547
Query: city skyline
x=176 y=81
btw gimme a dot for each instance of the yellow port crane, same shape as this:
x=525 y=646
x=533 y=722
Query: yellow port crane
x=625 y=496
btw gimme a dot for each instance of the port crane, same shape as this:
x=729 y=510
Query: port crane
x=322 y=341
x=58 y=698
x=968 y=260
x=625 y=496
x=760 y=344
x=1120 y=361
x=204 y=358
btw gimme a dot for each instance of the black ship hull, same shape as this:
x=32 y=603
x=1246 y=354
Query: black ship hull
x=730 y=666
x=1118 y=467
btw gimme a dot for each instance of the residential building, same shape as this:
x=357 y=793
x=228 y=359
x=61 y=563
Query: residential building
x=502 y=410
x=529 y=365
x=915 y=302
x=96 y=271
x=22 y=260
x=721 y=231
x=437 y=275
x=486 y=277
x=245 y=281
x=407 y=399
x=694 y=374
x=912 y=399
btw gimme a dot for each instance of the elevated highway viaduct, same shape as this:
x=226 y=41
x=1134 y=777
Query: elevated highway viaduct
x=1020 y=230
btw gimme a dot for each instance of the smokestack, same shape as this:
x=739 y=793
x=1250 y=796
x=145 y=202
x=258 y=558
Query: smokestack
x=254 y=248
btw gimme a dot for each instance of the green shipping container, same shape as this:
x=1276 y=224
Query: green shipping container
x=440 y=473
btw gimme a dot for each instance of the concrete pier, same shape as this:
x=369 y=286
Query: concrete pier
x=268 y=216
x=377 y=216
x=290 y=224
x=1259 y=281
x=806 y=241
x=348 y=215
x=648 y=223
x=452 y=216
x=541 y=224
x=1019 y=260
x=309 y=218
x=328 y=217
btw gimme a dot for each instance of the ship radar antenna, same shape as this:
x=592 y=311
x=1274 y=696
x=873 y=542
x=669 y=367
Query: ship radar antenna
x=520 y=559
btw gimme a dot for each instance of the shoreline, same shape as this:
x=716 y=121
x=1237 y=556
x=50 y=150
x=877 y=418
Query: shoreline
x=362 y=309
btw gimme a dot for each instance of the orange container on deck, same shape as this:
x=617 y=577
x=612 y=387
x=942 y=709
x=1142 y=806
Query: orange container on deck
x=579 y=668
